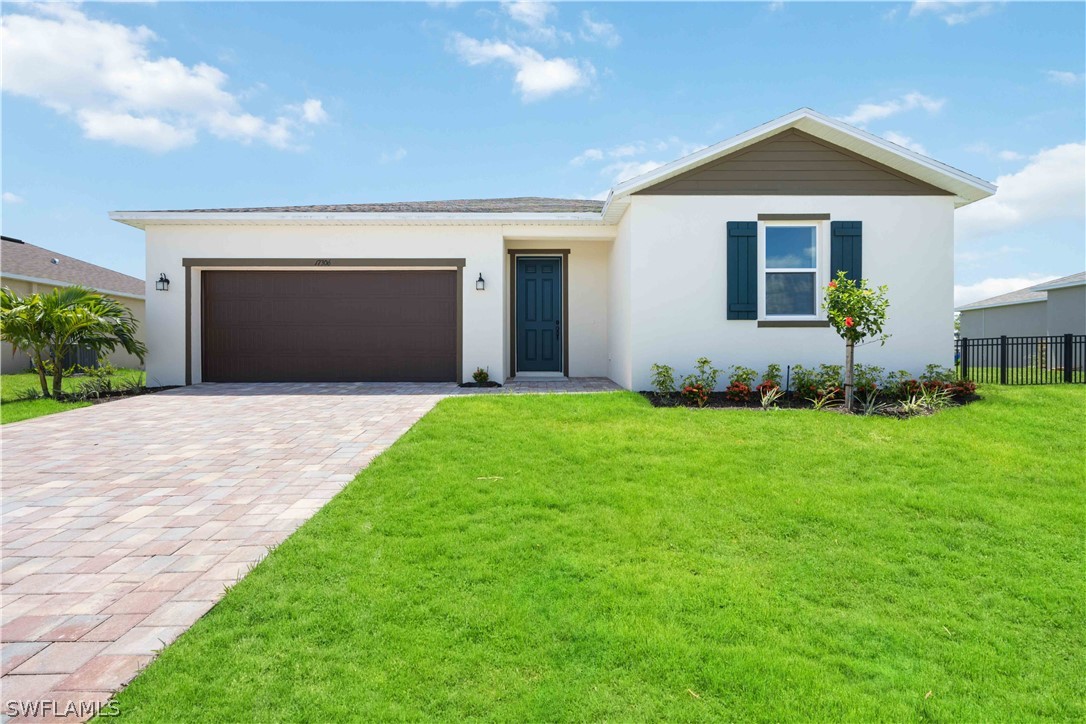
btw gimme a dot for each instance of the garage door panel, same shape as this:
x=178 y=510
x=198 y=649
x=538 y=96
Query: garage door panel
x=329 y=326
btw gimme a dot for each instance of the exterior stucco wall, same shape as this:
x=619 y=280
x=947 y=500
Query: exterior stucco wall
x=485 y=315
x=652 y=289
x=678 y=302
x=1067 y=310
x=1013 y=320
x=19 y=362
x=618 y=318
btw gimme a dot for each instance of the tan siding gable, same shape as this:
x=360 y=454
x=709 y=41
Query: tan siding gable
x=793 y=163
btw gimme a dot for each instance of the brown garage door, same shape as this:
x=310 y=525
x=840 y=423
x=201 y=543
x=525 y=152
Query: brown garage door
x=329 y=326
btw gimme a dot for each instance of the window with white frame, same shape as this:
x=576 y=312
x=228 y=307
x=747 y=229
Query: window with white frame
x=791 y=252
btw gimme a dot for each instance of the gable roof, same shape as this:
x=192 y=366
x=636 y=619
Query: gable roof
x=903 y=163
x=20 y=260
x=1029 y=295
x=965 y=187
x=792 y=162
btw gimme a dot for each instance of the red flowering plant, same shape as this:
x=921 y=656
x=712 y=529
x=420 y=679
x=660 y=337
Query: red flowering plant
x=737 y=392
x=857 y=313
x=698 y=385
x=695 y=394
x=742 y=379
x=771 y=380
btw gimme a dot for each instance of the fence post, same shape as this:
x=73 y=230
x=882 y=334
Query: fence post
x=1003 y=359
x=1068 y=358
x=964 y=374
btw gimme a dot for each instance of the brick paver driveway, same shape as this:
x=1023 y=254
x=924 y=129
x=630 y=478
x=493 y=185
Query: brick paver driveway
x=124 y=522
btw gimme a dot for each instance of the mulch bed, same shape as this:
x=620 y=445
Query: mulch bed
x=120 y=394
x=488 y=383
x=789 y=400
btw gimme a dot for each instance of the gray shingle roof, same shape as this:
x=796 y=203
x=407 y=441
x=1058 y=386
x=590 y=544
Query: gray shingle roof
x=1072 y=280
x=33 y=261
x=522 y=204
x=1036 y=293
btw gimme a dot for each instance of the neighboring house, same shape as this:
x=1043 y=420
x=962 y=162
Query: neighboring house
x=1052 y=308
x=27 y=269
x=723 y=254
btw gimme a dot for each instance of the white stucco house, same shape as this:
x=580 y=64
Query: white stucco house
x=722 y=253
x=1055 y=307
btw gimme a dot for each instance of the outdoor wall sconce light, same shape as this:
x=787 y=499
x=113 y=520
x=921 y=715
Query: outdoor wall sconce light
x=162 y=284
x=480 y=283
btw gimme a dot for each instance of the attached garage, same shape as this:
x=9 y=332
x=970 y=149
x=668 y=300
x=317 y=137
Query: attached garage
x=329 y=326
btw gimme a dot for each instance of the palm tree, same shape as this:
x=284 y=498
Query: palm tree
x=48 y=326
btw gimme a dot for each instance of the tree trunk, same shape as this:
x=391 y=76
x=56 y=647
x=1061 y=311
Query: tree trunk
x=40 y=367
x=849 y=347
x=58 y=375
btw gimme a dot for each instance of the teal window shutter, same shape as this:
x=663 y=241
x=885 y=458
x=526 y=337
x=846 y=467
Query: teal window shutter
x=846 y=249
x=742 y=270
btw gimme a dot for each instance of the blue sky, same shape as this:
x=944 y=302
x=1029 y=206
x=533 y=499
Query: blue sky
x=187 y=105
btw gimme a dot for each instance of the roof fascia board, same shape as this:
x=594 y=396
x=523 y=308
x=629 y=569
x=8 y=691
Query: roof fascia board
x=142 y=219
x=58 y=283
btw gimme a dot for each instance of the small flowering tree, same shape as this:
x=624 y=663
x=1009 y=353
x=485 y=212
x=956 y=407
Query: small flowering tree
x=858 y=313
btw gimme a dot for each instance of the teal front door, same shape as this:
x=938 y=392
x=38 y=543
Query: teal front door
x=539 y=314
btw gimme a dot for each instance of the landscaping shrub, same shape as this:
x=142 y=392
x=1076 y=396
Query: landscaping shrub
x=704 y=374
x=743 y=375
x=737 y=392
x=896 y=394
x=695 y=393
x=663 y=379
x=480 y=375
x=867 y=380
x=772 y=376
x=769 y=395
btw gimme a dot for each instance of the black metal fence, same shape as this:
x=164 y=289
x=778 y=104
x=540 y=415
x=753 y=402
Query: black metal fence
x=1022 y=360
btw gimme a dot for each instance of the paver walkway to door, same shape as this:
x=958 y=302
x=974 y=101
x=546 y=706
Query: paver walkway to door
x=123 y=523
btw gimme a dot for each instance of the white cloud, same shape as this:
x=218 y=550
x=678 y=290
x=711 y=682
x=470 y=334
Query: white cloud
x=985 y=150
x=776 y=6
x=903 y=140
x=589 y=154
x=867 y=112
x=952 y=12
x=394 y=156
x=1065 y=77
x=1050 y=187
x=628 y=149
x=10 y=198
x=626 y=161
x=599 y=31
x=625 y=170
x=534 y=17
x=536 y=77
x=973 y=256
x=105 y=77
x=994 y=286
x=312 y=111
x=146 y=132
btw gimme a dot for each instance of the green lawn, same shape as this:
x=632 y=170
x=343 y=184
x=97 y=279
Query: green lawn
x=13 y=391
x=591 y=557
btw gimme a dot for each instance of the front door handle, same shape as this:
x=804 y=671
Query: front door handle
x=557 y=327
